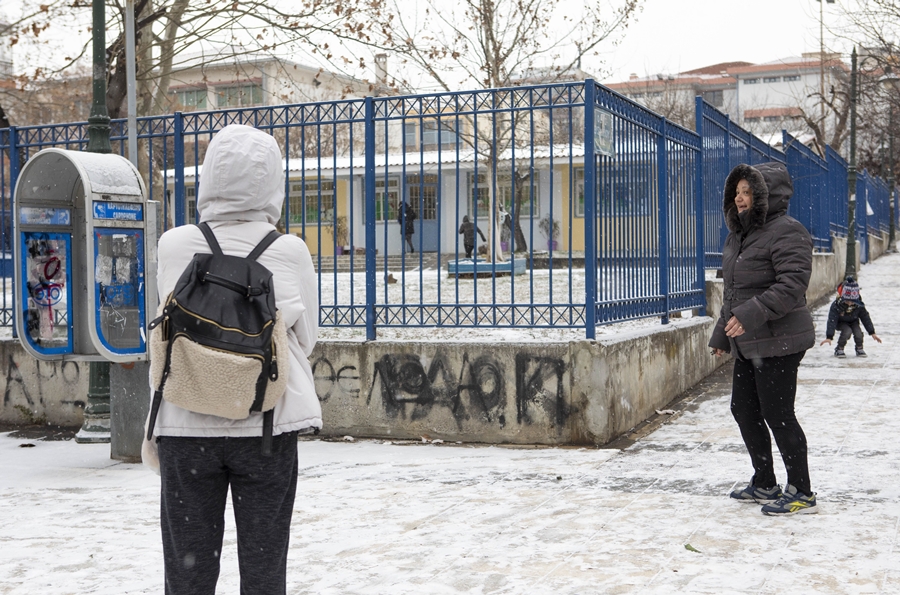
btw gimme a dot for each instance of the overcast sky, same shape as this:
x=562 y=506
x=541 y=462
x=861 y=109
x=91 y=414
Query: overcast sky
x=676 y=35
x=672 y=36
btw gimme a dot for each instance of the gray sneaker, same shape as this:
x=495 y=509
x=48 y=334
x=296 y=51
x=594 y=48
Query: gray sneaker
x=792 y=502
x=756 y=494
x=860 y=352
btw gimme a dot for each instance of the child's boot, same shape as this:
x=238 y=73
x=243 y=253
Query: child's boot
x=839 y=352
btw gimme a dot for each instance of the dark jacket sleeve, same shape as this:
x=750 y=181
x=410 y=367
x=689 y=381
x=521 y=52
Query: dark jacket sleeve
x=833 y=314
x=719 y=340
x=483 y=239
x=792 y=261
x=866 y=320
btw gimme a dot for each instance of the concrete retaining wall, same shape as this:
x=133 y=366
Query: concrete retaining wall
x=55 y=392
x=580 y=392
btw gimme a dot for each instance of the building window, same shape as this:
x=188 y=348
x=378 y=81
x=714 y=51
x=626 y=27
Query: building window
x=791 y=78
x=771 y=79
x=244 y=95
x=387 y=199
x=312 y=198
x=714 y=98
x=190 y=195
x=528 y=194
x=751 y=81
x=191 y=98
x=434 y=132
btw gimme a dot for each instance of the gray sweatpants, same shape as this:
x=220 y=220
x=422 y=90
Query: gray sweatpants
x=196 y=473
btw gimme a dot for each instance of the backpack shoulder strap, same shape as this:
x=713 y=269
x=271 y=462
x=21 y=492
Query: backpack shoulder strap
x=263 y=244
x=210 y=238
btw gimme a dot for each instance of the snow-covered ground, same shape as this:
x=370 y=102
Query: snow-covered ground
x=374 y=517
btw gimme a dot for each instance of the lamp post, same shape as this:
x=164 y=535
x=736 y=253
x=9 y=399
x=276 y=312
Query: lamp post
x=850 y=269
x=892 y=81
x=95 y=427
x=822 y=60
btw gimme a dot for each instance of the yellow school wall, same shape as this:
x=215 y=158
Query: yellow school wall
x=311 y=236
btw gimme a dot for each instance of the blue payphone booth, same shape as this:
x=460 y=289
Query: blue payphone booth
x=85 y=257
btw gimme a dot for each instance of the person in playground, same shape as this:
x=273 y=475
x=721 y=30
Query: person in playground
x=846 y=312
x=467 y=229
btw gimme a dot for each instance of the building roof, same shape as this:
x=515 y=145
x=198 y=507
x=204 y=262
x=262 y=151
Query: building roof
x=717 y=68
x=726 y=74
x=774 y=112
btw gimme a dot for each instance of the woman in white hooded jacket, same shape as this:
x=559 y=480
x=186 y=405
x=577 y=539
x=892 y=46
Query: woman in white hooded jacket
x=199 y=456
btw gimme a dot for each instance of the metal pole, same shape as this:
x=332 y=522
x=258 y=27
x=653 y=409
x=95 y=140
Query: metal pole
x=893 y=196
x=822 y=64
x=95 y=427
x=850 y=270
x=98 y=122
x=130 y=84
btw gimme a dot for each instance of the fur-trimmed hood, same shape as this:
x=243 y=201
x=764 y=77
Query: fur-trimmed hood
x=760 y=206
x=772 y=190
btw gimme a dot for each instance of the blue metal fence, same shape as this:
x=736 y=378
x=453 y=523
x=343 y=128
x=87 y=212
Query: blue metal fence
x=725 y=145
x=593 y=209
x=820 y=184
x=591 y=245
x=809 y=172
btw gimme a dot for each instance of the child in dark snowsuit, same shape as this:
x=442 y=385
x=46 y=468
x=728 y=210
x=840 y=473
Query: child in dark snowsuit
x=845 y=315
x=467 y=230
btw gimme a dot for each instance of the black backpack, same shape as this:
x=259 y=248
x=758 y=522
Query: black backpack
x=215 y=345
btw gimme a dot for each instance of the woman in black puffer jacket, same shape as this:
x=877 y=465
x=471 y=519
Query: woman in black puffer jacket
x=766 y=325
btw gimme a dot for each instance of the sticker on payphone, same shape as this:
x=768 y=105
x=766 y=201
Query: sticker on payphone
x=119 y=285
x=46 y=290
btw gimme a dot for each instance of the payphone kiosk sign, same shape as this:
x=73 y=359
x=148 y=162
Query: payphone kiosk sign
x=85 y=257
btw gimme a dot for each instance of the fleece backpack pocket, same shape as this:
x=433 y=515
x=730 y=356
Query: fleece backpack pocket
x=211 y=381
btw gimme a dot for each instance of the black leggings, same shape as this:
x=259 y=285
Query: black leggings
x=196 y=474
x=763 y=394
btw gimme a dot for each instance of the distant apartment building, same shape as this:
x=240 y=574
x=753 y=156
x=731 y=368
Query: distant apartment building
x=228 y=80
x=762 y=98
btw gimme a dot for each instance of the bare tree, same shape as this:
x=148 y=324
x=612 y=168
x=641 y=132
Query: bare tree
x=169 y=30
x=494 y=44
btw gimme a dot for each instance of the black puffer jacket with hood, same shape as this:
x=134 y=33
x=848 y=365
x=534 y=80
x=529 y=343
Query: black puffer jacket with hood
x=766 y=265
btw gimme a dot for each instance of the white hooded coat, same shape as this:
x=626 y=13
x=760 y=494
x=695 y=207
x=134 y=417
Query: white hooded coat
x=240 y=196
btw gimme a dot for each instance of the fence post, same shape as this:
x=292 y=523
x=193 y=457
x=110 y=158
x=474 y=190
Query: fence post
x=699 y=207
x=662 y=199
x=178 y=142
x=14 y=167
x=369 y=197
x=590 y=230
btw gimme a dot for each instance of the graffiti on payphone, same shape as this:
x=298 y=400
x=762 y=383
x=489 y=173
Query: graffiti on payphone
x=119 y=278
x=46 y=281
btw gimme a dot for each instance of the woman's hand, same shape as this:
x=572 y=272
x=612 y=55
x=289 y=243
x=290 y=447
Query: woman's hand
x=734 y=328
x=717 y=352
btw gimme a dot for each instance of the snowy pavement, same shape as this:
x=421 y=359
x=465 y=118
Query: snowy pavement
x=380 y=518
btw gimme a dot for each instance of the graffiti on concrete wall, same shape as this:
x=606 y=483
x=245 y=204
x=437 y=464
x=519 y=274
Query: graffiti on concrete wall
x=31 y=391
x=344 y=380
x=475 y=389
x=539 y=387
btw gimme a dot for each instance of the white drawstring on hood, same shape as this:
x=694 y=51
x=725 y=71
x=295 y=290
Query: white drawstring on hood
x=242 y=177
